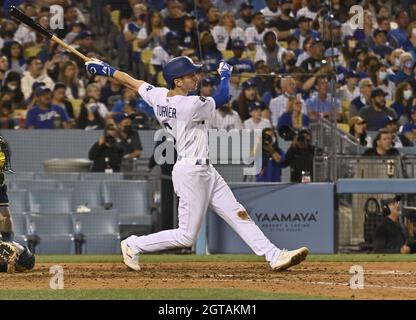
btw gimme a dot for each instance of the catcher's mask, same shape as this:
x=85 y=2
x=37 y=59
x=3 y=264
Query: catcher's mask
x=5 y=154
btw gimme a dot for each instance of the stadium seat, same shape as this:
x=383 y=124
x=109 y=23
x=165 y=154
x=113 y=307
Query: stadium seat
x=131 y=199
x=100 y=231
x=18 y=201
x=57 y=176
x=84 y=192
x=54 y=233
x=55 y=201
x=101 y=176
x=33 y=184
x=19 y=224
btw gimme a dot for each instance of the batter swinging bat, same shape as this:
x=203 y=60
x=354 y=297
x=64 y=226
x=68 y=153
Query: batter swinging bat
x=19 y=15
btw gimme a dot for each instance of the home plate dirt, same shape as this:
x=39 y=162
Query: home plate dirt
x=382 y=280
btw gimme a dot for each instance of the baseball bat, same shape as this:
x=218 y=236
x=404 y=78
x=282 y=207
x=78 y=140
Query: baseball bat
x=19 y=15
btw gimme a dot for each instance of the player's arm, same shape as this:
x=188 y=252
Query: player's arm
x=97 y=67
x=222 y=93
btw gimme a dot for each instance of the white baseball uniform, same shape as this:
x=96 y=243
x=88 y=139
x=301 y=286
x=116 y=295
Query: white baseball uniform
x=196 y=182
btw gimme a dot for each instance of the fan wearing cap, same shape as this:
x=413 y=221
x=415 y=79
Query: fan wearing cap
x=45 y=115
x=398 y=139
x=256 y=121
x=409 y=129
x=349 y=90
x=226 y=32
x=239 y=63
x=358 y=129
x=314 y=62
x=391 y=236
x=284 y=23
x=332 y=56
x=304 y=30
x=334 y=38
x=310 y=10
x=382 y=145
x=246 y=15
x=380 y=47
x=254 y=35
x=377 y=111
x=271 y=10
x=270 y=52
x=35 y=73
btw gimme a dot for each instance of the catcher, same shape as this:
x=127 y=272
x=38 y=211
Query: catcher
x=13 y=256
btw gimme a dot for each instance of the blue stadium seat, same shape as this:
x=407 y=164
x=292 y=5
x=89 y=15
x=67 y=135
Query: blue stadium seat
x=50 y=201
x=131 y=199
x=33 y=184
x=100 y=230
x=54 y=232
x=18 y=201
x=57 y=176
x=85 y=192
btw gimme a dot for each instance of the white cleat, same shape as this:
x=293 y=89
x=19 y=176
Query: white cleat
x=287 y=259
x=130 y=258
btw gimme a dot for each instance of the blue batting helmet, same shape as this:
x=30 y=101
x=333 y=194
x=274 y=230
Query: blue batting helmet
x=179 y=67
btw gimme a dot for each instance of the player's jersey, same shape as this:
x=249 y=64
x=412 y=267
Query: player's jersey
x=183 y=117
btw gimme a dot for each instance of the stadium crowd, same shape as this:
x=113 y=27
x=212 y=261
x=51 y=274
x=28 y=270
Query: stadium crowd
x=295 y=62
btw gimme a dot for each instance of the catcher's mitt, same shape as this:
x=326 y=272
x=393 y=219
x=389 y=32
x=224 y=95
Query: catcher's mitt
x=8 y=255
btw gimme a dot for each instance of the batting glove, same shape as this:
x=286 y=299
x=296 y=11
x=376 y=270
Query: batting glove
x=97 y=67
x=224 y=69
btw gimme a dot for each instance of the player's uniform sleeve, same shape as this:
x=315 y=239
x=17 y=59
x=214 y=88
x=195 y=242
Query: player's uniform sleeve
x=203 y=108
x=150 y=93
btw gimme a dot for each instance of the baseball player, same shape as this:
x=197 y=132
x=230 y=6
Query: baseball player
x=195 y=180
x=13 y=256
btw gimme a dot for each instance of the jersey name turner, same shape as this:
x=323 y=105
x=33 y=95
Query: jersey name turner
x=165 y=111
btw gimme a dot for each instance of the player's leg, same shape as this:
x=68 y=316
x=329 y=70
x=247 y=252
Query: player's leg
x=6 y=224
x=193 y=186
x=229 y=209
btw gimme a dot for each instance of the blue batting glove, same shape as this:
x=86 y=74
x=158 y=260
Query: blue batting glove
x=97 y=67
x=224 y=69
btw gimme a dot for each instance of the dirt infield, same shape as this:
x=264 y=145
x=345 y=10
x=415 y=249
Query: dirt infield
x=383 y=280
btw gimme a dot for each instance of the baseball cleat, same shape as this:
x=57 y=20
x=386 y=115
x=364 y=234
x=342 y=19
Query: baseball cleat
x=287 y=259
x=130 y=258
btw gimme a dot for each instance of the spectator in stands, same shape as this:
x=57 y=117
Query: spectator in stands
x=13 y=50
x=321 y=106
x=382 y=145
x=274 y=92
x=138 y=21
x=380 y=79
x=395 y=63
x=246 y=16
x=34 y=73
x=111 y=88
x=74 y=31
x=106 y=153
x=270 y=11
x=294 y=118
x=93 y=99
x=403 y=101
x=299 y=156
x=391 y=236
x=89 y=117
x=130 y=142
x=377 y=111
x=254 y=35
x=349 y=91
x=359 y=62
x=228 y=5
x=398 y=140
x=384 y=23
x=311 y=9
x=239 y=63
x=288 y=62
x=153 y=34
x=69 y=76
x=333 y=39
x=380 y=47
x=248 y=94
x=130 y=97
x=25 y=35
x=139 y=118
x=7 y=120
x=409 y=129
x=4 y=65
x=314 y=62
x=406 y=72
x=293 y=45
x=410 y=44
x=175 y=16
x=256 y=121
x=263 y=73
x=210 y=53
x=7 y=31
x=212 y=20
x=71 y=15
x=189 y=35
x=306 y=50
x=12 y=84
x=87 y=46
x=284 y=23
x=332 y=57
x=304 y=30
x=279 y=105
x=207 y=87
x=348 y=50
x=227 y=32
x=226 y=118
x=271 y=157
x=364 y=99
x=400 y=33
x=358 y=129
x=270 y=51
x=60 y=99
x=45 y=115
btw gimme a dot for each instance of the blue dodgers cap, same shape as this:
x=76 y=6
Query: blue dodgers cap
x=332 y=52
x=387 y=121
x=207 y=82
x=249 y=83
x=41 y=90
x=377 y=31
x=172 y=35
x=351 y=74
x=253 y=105
x=238 y=44
x=85 y=34
x=408 y=127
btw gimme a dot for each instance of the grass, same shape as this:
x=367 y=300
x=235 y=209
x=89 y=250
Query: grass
x=172 y=258
x=152 y=294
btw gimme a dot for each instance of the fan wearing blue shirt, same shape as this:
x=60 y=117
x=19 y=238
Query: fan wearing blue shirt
x=45 y=115
x=240 y=64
